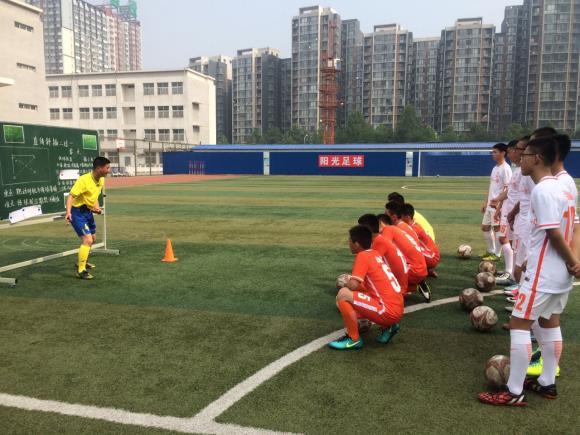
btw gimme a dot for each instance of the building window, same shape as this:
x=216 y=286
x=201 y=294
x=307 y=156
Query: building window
x=113 y=156
x=53 y=91
x=163 y=111
x=54 y=113
x=97 y=113
x=177 y=88
x=66 y=91
x=148 y=88
x=83 y=90
x=178 y=111
x=163 y=88
x=111 y=113
x=149 y=112
x=178 y=135
x=67 y=113
x=97 y=90
x=85 y=113
x=25 y=66
x=101 y=134
x=111 y=90
x=164 y=134
x=149 y=134
x=150 y=158
x=27 y=106
x=112 y=134
x=23 y=26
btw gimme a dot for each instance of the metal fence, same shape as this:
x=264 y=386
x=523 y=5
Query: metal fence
x=131 y=157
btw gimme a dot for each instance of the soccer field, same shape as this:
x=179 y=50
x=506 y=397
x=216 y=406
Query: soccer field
x=258 y=258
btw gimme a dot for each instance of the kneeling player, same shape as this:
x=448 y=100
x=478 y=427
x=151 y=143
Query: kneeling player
x=430 y=249
x=382 y=303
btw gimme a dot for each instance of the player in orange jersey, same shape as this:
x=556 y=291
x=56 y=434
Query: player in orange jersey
x=393 y=255
x=430 y=249
x=382 y=303
x=412 y=252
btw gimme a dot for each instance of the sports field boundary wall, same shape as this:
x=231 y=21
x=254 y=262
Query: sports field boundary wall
x=392 y=160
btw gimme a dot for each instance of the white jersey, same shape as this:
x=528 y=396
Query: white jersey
x=570 y=186
x=522 y=225
x=551 y=207
x=513 y=194
x=499 y=180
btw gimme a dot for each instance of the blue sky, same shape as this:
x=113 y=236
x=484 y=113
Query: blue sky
x=175 y=30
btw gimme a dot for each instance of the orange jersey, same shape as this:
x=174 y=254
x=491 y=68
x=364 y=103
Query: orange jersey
x=394 y=257
x=410 y=231
x=425 y=240
x=371 y=269
x=409 y=247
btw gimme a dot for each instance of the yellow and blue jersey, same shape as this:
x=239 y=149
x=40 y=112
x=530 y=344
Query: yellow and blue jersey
x=86 y=191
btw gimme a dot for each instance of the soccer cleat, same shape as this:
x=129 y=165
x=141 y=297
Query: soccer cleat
x=509 y=309
x=425 y=291
x=387 y=334
x=512 y=290
x=535 y=367
x=503 y=398
x=346 y=343
x=84 y=275
x=486 y=254
x=491 y=257
x=511 y=300
x=548 y=391
x=536 y=355
x=505 y=279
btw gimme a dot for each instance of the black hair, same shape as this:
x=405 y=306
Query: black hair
x=396 y=197
x=547 y=147
x=512 y=143
x=370 y=221
x=395 y=207
x=99 y=162
x=502 y=147
x=564 y=145
x=385 y=218
x=361 y=235
x=409 y=210
x=543 y=132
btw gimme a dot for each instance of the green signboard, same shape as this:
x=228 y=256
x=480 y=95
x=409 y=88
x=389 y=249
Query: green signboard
x=133 y=8
x=32 y=158
x=115 y=3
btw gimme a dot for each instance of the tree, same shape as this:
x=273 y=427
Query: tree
x=255 y=138
x=477 y=133
x=515 y=131
x=410 y=128
x=384 y=134
x=272 y=136
x=223 y=139
x=357 y=130
x=449 y=135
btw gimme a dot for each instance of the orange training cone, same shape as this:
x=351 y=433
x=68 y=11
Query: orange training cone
x=169 y=258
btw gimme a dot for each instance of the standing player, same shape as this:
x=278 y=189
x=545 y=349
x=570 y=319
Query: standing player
x=81 y=203
x=547 y=283
x=500 y=177
x=381 y=303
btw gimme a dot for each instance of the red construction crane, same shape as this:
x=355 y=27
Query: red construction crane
x=329 y=86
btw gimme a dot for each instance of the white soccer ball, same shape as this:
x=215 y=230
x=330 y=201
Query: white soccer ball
x=464 y=251
x=342 y=280
x=485 y=281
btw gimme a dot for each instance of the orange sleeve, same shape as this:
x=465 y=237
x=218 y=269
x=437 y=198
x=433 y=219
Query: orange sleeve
x=360 y=267
x=420 y=233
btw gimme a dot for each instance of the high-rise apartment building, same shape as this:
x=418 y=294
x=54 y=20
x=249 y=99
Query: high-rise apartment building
x=465 y=75
x=351 y=70
x=255 y=92
x=387 y=56
x=311 y=30
x=220 y=68
x=285 y=94
x=83 y=37
x=423 y=78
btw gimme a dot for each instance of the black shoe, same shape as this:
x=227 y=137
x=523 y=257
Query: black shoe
x=84 y=275
x=548 y=392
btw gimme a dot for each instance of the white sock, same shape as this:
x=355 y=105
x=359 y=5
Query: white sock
x=497 y=251
x=508 y=258
x=489 y=239
x=551 y=346
x=520 y=355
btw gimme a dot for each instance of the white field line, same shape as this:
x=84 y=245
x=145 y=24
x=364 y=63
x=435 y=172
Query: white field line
x=203 y=421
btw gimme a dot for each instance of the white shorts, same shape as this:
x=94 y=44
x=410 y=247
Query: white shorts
x=504 y=227
x=488 y=217
x=533 y=305
x=521 y=251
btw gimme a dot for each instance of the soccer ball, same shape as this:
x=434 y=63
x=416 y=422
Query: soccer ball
x=364 y=325
x=483 y=318
x=470 y=298
x=342 y=280
x=464 y=251
x=497 y=370
x=487 y=266
x=485 y=281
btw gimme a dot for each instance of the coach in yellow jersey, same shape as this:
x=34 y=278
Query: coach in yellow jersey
x=82 y=202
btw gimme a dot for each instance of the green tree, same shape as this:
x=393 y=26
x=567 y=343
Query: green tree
x=410 y=128
x=477 y=133
x=357 y=130
x=449 y=135
x=223 y=139
x=384 y=134
x=272 y=136
x=255 y=138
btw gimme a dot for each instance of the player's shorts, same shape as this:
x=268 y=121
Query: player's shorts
x=521 y=252
x=371 y=308
x=533 y=305
x=415 y=277
x=504 y=227
x=83 y=221
x=489 y=217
